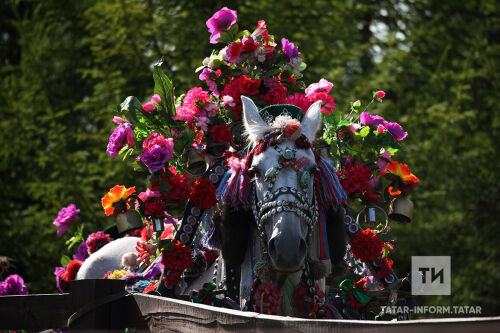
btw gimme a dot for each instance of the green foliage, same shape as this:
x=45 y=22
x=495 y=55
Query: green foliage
x=63 y=63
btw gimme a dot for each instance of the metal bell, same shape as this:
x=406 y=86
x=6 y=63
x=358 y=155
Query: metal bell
x=401 y=210
x=196 y=164
x=128 y=221
x=215 y=149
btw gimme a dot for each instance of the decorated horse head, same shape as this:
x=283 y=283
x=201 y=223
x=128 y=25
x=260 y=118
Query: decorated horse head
x=282 y=199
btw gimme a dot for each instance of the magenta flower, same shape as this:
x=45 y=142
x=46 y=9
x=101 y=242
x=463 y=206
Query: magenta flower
x=156 y=99
x=155 y=158
x=321 y=86
x=81 y=253
x=368 y=119
x=121 y=135
x=221 y=21
x=380 y=94
x=382 y=162
x=380 y=129
x=148 y=107
x=289 y=49
x=185 y=113
x=396 y=130
x=65 y=217
x=13 y=285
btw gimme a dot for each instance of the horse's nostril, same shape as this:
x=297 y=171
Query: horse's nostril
x=302 y=247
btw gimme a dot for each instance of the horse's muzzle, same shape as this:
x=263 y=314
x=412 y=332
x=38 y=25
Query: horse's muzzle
x=287 y=253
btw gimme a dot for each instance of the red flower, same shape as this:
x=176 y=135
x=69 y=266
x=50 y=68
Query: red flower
x=221 y=133
x=178 y=259
x=366 y=246
x=276 y=95
x=299 y=300
x=328 y=105
x=233 y=52
x=145 y=251
x=385 y=268
x=151 y=287
x=178 y=187
x=71 y=270
x=369 y=195
x=172 y=279
x=232 y=88
x=354 y=178
x=299 y=100
x=249 y=86
x=203 y=194
x=249 y=45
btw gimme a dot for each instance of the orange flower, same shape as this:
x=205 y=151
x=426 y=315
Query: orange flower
x=402 y=171
x=117 y=193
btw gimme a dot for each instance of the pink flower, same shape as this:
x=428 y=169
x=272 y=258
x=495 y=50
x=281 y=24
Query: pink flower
x=357 y=104
x=117 y=120
x=382 y=162
x=196 y=98
x=380 y=129
x=299 y=100
x=211 y=109
x=156 y=99
x=321 y=86
x=368 y=119
x=260 y=30
x=396 y=130
x=202 y=122
x=122 y=134
x=185 y=113
x=148 y=107
x=219 y=22
x=380 y=94
x=227 y=100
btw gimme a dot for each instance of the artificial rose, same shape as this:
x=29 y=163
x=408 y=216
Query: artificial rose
x=122 y=134
x=158 y=139
x=366 y=246
x=321 y=86
x=221 y=21
x=249 y=45
x=221 y=133
x=155 y=158
x=249 y=86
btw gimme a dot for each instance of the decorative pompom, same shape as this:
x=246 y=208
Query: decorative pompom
x=96 y=240
x=179 y=258
x=129 y=259
x=366 y=246
x=292 y=131
x=203 y=194
x=318 y=270
x=71 y=270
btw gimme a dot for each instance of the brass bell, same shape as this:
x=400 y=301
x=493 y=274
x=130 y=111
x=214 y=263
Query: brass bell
x=196 y=164
x=215 y=149
x=128 y=221
x=401 y=210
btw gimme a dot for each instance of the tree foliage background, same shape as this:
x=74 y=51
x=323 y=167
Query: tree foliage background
x=63 y=62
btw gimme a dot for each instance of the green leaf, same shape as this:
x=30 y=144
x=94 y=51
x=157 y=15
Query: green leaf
x=273 y=72
x=364 y=131
x=163 y=186
x=303 y=66
x=233 y=31
x=65 y=260
x=165 y=88
x=344 y=123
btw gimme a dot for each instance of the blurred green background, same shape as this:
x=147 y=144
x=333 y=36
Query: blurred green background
x=63 y=62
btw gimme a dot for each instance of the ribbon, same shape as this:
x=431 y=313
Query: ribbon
x=206 y=294
x=357 y=296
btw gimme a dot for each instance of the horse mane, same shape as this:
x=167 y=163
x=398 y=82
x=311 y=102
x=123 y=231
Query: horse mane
x=235 y=232
x=336 y=234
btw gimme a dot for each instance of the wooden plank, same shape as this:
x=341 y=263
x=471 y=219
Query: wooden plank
x=170 y=315
x=34 y=311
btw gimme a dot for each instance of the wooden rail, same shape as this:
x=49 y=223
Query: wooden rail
x=147 y=313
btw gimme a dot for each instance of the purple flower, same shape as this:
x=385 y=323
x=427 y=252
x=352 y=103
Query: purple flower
x=81 y=254
x=219 y=22
x=121 y=135
x=368 y=119
x=289 y=49
x=155 y=157
x=396 y=130
x=382 y=162
x=65 y=217
x=13 y=285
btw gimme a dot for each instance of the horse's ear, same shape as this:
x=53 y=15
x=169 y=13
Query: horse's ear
x=255 y=126
x=312 y=120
